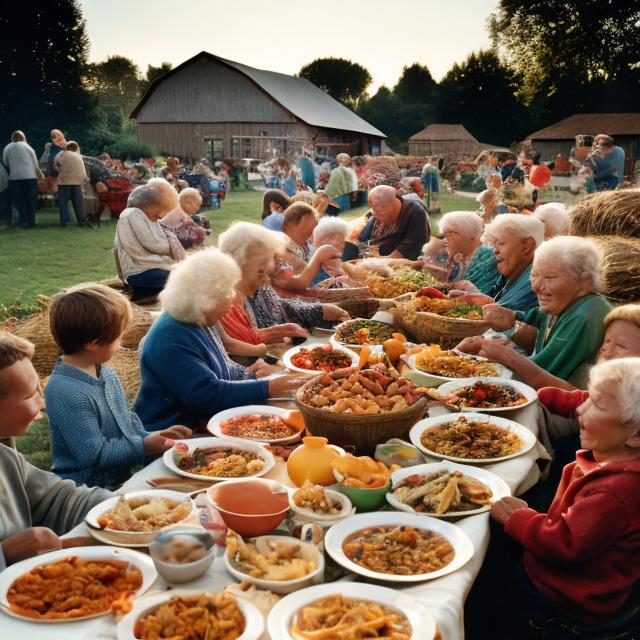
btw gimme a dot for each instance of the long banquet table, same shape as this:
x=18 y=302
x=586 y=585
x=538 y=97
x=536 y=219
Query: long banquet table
x=444 y=597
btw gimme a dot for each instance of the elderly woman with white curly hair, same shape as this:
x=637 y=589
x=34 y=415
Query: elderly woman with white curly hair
x=567 y=328
x=462 y=231
x=331 y=231
x=555 y=217
x=146 y=250
x=258 y=315
x=186 y=374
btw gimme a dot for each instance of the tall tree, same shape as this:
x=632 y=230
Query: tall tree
x=117 y=83
x=547 y=42
x=415 y=85
x=479 y=94
x=42 y=61
x=381 y=110
x=153 y=73
x=342 y=79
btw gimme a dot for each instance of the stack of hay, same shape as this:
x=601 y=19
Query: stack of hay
x=621 y=258
x=379 y=170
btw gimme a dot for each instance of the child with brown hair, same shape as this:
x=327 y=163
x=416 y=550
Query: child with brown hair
x=36 y=506
x=95 y=438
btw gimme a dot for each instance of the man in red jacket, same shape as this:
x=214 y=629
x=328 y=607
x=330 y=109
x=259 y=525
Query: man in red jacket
x=582 y=558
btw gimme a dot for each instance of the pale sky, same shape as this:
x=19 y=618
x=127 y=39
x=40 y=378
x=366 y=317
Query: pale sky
x=381 y=35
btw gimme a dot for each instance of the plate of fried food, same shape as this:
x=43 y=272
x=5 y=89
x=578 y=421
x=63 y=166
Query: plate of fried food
x=315 y=503
x=350 y=610
x=445 y=490
x=75 y=584
x=398 y=547
x=192 y=614
x=319 y=358
x=280 y=564
x=259 y=423
x=402 y=281
x=432 y=365
x=487 y=394
x=218 y=459
x=471 y=438
x=355 y=334
x=135 y=519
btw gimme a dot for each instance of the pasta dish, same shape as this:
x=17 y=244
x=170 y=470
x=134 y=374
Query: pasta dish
x=449 y=364
x=144 y=514
x=221 y=462
x=338 y=618
x=485 y=395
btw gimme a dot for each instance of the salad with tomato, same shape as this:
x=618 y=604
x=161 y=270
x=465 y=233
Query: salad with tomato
x=322 y=358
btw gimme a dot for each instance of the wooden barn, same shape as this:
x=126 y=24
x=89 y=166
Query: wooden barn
x=557 y=138
x=442 y=140
x=213 y=108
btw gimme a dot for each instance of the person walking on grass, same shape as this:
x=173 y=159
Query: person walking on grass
x=21 y=162
x=72 y=174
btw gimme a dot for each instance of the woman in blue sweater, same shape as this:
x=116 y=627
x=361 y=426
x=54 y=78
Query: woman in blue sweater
x=187 y=376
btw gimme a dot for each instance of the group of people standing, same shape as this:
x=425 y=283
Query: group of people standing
x=20 y=174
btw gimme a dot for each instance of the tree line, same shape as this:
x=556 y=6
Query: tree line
x=549 y=59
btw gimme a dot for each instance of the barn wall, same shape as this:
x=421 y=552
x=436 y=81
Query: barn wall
x=549 y=149
x=208 y=91
x=442 y=147
x=188 y=140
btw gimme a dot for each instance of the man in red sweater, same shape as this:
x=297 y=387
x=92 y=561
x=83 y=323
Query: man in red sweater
x=582 y=558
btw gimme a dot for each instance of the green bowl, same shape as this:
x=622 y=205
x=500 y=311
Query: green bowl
x=365 y=499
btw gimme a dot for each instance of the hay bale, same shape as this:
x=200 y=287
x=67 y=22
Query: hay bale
x=35 y=329
x=608 y=213
x=138 y=328
x=621 y=257
x=126 y=364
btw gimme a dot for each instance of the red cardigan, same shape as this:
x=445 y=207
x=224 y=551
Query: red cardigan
x=584 y=555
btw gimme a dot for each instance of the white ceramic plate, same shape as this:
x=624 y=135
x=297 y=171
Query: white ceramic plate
x=170 y=456
x=281 y=586
x=528 y=392
x=432 y=380
x=498 y=486
x=527 y=437
x=214 y=425
x=375 y=348
x=138 y=538
x=309 y=515
x=459 y=540
x=139 y=560
x=282 y=615
x=254 y=622
x=286 y=358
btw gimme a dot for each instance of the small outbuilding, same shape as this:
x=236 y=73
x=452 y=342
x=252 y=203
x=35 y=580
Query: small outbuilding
x=443 y=140
x=557 y=138
x=210 y=107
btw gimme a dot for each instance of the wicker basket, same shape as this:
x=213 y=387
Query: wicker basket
x=365 y=308
x=363 y=432
x=324 y=293
x=427 y=327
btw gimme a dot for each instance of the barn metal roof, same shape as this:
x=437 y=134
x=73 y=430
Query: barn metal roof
x=443 y=132
x=590 y=123
x=297 y=95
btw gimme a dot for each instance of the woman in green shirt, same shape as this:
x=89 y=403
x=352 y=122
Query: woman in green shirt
x=566 y=330
x=462 y=231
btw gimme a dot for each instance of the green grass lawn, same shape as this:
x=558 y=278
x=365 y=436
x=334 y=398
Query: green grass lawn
x=48 y=258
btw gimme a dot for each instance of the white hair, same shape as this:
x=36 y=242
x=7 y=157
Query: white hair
x=155 y=192
x=579 y=256
x=329 y=226
x=622 y=375
x=198 y=285
x=468 y=223
x=248 y=243
x=516 y=223
x=555 y=217
x=189 y=192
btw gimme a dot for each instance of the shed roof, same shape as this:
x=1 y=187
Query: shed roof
x=590 y=123
x=443 y=132
x=297 y=95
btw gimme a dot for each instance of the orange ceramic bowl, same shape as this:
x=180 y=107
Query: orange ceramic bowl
x=250 y=507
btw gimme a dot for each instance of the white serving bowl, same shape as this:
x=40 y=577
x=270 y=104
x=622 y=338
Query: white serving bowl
x=286 y=358
x=453 y=385
x=325 y=520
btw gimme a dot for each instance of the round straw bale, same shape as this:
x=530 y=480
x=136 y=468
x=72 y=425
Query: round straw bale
x=608 y=213
x=36 y=329
x=621 y=260
x=126 y=364
x=138 y=328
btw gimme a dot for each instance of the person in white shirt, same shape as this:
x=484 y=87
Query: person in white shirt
x=21 y=162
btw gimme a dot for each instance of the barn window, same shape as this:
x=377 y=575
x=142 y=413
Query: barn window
x=214 y=149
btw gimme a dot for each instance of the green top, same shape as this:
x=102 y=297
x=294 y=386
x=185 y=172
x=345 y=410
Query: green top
x=574 y=338
x=482 y=270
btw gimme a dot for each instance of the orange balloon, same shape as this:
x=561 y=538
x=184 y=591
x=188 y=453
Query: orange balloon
x=539 y=175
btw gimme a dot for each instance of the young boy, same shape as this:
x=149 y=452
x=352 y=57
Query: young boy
x=35 y=506
x=95 y=438
x=582 y=558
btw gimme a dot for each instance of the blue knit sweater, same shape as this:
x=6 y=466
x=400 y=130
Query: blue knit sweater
x=187 y=377
x=95 y=438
